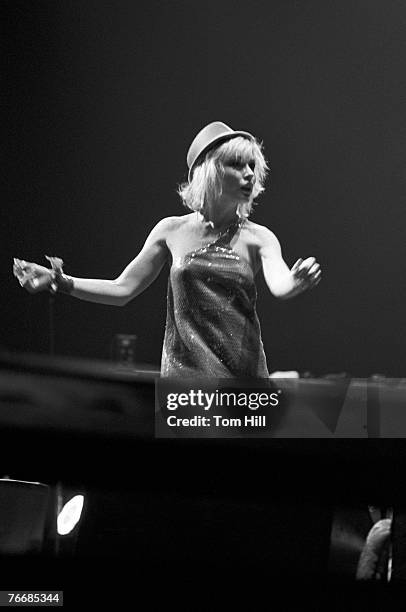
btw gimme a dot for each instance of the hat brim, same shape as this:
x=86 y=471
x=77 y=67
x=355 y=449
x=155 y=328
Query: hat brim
x=218 y=139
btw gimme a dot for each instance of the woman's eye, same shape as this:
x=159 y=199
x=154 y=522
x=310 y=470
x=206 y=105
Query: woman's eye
x=240 y=164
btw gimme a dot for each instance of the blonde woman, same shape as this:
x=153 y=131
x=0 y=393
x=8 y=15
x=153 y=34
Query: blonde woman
x=214 y=253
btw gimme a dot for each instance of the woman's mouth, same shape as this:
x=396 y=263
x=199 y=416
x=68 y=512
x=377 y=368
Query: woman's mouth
x=246 y=190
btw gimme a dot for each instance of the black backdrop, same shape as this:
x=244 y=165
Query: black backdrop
x=102 y=101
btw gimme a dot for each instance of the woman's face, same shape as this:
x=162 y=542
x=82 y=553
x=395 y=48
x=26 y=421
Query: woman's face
x=238 y=180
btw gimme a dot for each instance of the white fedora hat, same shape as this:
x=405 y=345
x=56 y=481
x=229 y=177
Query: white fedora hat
x=210 y=135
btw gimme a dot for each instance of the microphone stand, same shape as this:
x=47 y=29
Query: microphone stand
x=51 y=325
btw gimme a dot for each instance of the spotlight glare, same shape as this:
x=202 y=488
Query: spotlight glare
x=70 y=515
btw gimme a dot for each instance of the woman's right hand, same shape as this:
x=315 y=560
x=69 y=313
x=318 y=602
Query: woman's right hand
x=33 y=277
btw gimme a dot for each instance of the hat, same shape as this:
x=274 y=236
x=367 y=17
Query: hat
x=211 y=134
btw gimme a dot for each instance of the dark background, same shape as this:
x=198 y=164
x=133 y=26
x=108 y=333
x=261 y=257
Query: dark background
x=102 y=100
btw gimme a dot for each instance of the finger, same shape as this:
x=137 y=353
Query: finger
x=18 y=271
x=306 y=265
x=25 y=267
x=302 y=273
x=309 y=278
x=308 y=262
x=296 y=265
x=315 y=267
x=314 y=282
x=315 y=277
x=56 y=262
x=18 y=274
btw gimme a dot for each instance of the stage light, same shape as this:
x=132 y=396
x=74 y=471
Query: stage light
x=70 y=515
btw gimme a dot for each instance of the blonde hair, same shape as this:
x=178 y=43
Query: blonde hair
x=206 y=181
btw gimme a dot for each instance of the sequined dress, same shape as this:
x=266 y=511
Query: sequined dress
x=212 y=327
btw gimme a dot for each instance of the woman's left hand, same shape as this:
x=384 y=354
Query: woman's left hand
x=33 y=277
x=306 y=274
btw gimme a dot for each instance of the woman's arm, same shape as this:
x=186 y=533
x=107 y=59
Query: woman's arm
x=282 y=282
x=374 y=551
x=134 y=279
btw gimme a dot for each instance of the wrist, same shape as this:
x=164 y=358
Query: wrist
x=61 y=283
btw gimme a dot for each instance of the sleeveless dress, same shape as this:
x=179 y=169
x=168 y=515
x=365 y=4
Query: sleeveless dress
x=212 y=328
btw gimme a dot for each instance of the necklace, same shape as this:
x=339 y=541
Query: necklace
x=237 y=224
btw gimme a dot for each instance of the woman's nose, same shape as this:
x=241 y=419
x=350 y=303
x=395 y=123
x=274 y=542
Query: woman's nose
x=248 y=173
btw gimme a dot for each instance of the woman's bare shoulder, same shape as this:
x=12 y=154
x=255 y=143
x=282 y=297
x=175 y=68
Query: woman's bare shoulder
x=169 y=224
x=260 y=234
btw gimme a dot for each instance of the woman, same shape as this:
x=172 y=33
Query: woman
x=212 y=328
